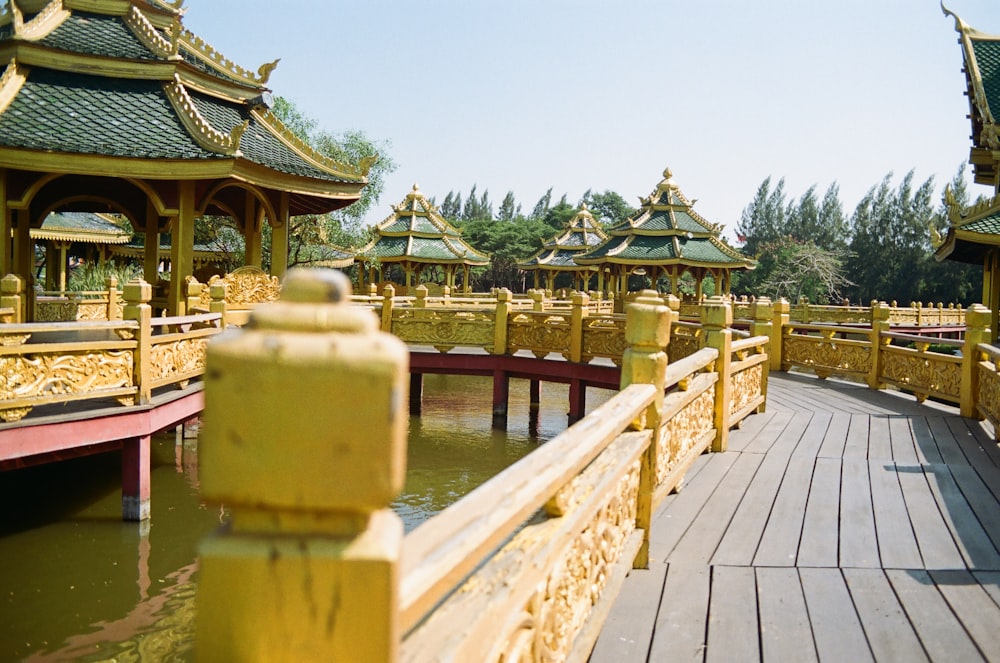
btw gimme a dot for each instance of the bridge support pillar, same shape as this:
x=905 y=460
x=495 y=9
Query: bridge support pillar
x=577 y=400
x=501 y=397
x=534 y=394
x=416 y=393
x=135 y=479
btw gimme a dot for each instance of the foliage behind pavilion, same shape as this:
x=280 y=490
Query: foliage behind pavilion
x=111 y=106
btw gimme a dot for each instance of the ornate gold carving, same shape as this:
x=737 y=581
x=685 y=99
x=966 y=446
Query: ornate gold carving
x=43 y=376
x=824 y=355
x=923 y=372
x=200 y=128
x=308 y=152
x=265 y=70
x=444 y=329
x=147 y=33
x=541 y=334
x=746 y=386
x=219 y=61
x=43 y=23
x=245 y=286
x=681 y=432
x=177 y=359
x=603 y=337
x=988 y=398
x=9 y=340
x=13 y=414
x=559 y=609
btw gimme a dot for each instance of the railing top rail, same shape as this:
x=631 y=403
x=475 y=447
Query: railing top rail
x=184 y=319
x=680 y=369
x=749 y=341
x=443 y=550
x=916 y=338
x=78 y=325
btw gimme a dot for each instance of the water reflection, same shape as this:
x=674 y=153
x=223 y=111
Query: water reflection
x=76 y=583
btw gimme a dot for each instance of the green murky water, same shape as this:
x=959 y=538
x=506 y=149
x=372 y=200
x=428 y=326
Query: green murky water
x=76 y=583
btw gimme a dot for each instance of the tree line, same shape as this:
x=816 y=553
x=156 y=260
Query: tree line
x=808 y=246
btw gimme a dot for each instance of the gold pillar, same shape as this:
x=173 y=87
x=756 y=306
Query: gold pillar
x=151 y=247
x=6 y=228
x=991 y=286
x=279 y=240
x=253 y=252
x=181 y=248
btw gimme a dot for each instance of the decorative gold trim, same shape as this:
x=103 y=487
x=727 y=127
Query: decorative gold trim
x=960 y=216
x=11 y=81
x=307 y=151
x=47 y=20
x=151 y=38
x=211 y=56
x=990 y=134
x=200 y=128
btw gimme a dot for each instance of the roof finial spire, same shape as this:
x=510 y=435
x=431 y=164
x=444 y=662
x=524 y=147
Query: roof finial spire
x=959 y=23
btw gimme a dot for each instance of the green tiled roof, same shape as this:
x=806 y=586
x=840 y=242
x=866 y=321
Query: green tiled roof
x=78 y=113
x=416 y=231
x=94 y=34
x=987 y=54
x=85 y=221
x=666 y=230
x=582 y=233
x=988 y=225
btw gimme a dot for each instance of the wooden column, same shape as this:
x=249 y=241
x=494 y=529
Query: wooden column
x=279 y=240
x=151 y=246
x=181 y=247
x=6 y=228
x=416 y=393
x=253 y=252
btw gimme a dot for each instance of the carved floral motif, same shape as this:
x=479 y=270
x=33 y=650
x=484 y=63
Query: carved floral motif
x=746 y=386
x=173 y=360
x=825 y=355
x=903 y=368
x=680 y=433
x=39 y=376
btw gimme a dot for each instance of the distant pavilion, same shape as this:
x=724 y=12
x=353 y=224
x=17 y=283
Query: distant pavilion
x=581 y=234
x=973 y=235
x=415 y=236
x=112 y=106
x=665 y=238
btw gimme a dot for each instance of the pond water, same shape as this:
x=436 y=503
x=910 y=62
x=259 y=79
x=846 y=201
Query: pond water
x=77 y=583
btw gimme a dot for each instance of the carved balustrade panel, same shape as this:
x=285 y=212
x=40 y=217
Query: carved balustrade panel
x=604 y=337
x=826 y=356
x=988 y=396
x=444 y=329
x=684 y=342
x=747 y=386
x=59 y=310
x=177 y=360
x=37 y=379
x=683 y=433
x=245 y=287
x=540 y=333
x=925 y=373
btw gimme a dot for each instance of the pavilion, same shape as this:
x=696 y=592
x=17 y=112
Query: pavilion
x=415 y=236
x=973 y=235
x=581 y=234
x=665 y=238
x=98 y=233
x=111 y=106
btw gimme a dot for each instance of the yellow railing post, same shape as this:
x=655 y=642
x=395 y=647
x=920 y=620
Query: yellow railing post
x=977 y=330
x=111 y=287
x=217 y=292
x=580 y=303
x=880 y=323
x=716 y=320
x=762 y=324
x=304 y=442
x=537 y=300
x=12 y=295
x=137 y=294
x=192 y=293
x=782 y=316
x=647 y=332
x=388 y=293
x=504 y=304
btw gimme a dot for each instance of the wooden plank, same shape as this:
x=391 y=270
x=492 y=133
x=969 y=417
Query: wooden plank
x=628 y=631
x=981 y=500
x=813 y=436
x=858 y=542
x=785 y=633
x=935 y=624
x=856 y=445
x=951 y=452
x=982 y=432
x=670 y=523
x=819 y=543
x=904 y=450
x=682 y=622
x=897 y=544
x=974 y=449
x=937 y=548
x=836 y=436
x=779 y=543
x=972 y=540
x=890 y=634
x=879 y=442
x=769 y=434
x=702 y=538
x=836 y=628
x=749 y=428
x=973 y=606
x=990 y=582
x=924 y=444
x=732 y=616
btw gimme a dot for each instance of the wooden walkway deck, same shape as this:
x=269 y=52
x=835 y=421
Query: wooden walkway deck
x=843 y=524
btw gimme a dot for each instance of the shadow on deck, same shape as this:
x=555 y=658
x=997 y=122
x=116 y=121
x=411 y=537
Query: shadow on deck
x=843 y=524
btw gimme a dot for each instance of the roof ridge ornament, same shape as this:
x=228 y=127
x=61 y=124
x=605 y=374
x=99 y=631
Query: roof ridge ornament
x=217 y=59
x=960 y=25
x=310 y=153
x=151 y=38
x=44 y=22
x=200 y=128
x=11 y=81
x=264 y=71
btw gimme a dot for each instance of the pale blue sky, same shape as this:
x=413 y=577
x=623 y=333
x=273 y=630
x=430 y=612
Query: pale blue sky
x=526 y=94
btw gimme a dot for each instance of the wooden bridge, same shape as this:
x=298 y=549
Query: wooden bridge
x=841 y=525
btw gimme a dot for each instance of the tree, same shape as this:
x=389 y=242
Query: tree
x=763 y=220
x=508 y=209
x=795 y=269
x=542 y=206
x=608 y=207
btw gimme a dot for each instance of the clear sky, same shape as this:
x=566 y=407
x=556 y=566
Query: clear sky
x=523 y=95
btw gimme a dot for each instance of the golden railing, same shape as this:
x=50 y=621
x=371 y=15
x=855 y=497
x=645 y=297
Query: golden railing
x=61 y=362
x=524 y=567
